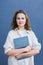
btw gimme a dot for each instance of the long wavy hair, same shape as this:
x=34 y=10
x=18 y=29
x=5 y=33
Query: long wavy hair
x=14 y=22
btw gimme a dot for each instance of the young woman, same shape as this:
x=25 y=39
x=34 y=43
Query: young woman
x=20 y=28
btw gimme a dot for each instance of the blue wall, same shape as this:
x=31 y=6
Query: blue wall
x=34 y=9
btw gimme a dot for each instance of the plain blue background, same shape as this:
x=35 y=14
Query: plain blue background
x=34 y=9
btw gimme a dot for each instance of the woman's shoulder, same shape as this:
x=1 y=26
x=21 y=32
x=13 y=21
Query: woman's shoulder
x=30 y=32
x=11 y=32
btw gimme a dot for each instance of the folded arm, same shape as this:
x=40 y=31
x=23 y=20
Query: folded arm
x=15 y=52
x=30 y=53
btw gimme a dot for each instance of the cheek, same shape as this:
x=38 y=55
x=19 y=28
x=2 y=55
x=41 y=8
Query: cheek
x=17 y=21
x=24 y=21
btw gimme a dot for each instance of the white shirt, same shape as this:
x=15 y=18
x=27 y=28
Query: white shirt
x=9 y=44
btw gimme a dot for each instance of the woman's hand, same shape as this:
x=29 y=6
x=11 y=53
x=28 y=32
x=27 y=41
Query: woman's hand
x=26 y=51
x=18 y=56
x=28 y=48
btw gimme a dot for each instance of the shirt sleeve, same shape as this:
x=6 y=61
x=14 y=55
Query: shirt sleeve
x=35 y=42
x=8 y=43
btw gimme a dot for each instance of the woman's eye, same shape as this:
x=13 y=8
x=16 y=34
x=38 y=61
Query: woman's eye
x=18 y=18
x=22 y=18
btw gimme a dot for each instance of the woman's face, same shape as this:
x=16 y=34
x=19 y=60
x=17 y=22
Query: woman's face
x=20 y=19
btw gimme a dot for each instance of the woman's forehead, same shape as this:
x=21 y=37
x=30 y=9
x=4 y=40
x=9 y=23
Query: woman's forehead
x=20 y=15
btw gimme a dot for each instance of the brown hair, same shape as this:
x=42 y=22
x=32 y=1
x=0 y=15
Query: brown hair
x=14 y=23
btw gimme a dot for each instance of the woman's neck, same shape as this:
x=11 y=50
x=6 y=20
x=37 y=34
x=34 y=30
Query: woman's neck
x=21 y=28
